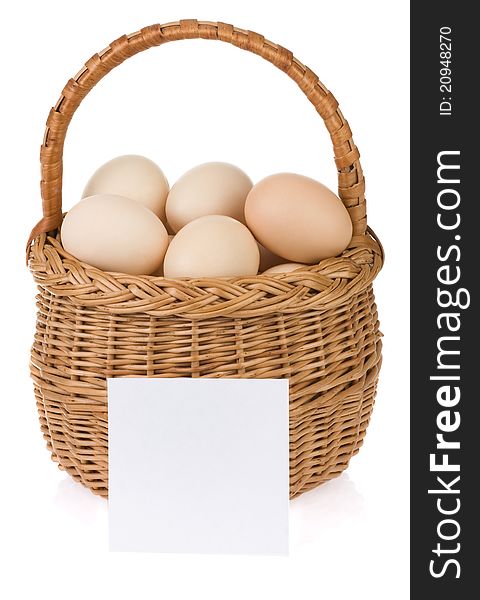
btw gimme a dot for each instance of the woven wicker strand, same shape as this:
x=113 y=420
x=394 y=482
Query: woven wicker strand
x=318 y=326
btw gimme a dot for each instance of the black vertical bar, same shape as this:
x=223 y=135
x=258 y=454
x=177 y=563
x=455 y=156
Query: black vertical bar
x=445 y=328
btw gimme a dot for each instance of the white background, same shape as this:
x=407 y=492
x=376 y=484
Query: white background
x=183 y=104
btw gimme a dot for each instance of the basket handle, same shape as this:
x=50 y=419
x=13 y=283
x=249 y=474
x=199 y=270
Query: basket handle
x=351 y=184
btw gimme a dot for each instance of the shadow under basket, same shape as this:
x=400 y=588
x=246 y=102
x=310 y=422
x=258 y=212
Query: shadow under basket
x=318 y=326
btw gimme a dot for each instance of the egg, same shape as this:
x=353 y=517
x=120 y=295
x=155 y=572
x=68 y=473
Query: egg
x=114 y=233
x=267 y=259
x=135 y=177
x=298 y=218
x=213 y=188
x=159 y=271
x=212 y=246
x=285 y=268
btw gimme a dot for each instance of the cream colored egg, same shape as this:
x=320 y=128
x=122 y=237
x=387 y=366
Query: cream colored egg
x=298 y=218
x=132 y=176
x=212 y=246
x=285 y=268
x=114 y=233
x=213 y=188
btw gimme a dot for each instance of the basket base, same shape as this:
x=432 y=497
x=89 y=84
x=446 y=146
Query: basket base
x=327 y=461
x=331 y=358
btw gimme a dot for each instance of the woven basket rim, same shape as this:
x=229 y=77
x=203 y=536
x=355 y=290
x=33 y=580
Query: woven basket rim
x=331 y=282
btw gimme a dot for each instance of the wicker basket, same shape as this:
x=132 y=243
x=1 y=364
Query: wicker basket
x=317 y=326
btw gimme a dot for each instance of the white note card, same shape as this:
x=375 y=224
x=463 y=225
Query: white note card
x=198 y=465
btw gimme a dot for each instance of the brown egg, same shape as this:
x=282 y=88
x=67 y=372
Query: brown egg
x=285 y=268
x=159 y=271
x=297 y=218
x=268 y=259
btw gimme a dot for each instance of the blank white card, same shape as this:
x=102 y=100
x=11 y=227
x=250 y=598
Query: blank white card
x=198 y=465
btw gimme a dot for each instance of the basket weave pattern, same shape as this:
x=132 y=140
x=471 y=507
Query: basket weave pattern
x=318 y=326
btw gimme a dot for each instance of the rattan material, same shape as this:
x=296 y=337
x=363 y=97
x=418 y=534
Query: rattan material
x=318 y=326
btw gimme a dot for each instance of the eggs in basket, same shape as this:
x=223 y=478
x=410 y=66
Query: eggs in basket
x=213 y=222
